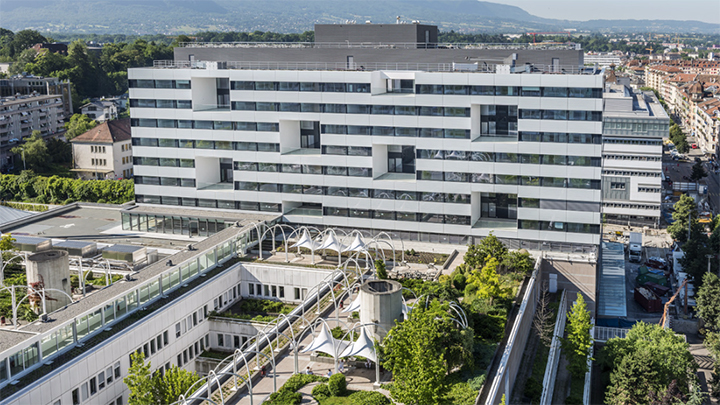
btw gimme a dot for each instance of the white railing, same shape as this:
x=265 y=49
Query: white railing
x=554 y=354
x=477 y=67
x=381 y=45
x=604 y=333
x=504 y=379
x=588 y=374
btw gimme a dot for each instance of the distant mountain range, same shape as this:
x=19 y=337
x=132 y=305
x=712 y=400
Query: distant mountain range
x=286 y=16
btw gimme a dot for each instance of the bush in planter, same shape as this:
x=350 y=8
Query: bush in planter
x=285 y=398
x=337 y=384
x=321 y=391
x=368 y=398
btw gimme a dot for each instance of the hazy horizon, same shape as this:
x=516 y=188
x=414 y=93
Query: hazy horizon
x=583 y=10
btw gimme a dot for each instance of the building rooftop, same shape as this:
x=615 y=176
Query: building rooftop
x=107 y=132
x=6 y=101
x=624 y=102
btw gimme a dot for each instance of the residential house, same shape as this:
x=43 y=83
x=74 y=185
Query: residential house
x=104 y=152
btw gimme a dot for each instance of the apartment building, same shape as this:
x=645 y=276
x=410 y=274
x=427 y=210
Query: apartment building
x=21 y=115
x=104 y=152
x=35 y=85
x=445 y=151
x=634 y=126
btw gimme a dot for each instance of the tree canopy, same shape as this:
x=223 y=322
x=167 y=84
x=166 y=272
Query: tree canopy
x=489 y=246
x=578 y=342
x=708 y=301
x=160 y=388
x=78 y=125
x=648 y=359
x=34 y=152
x=684 y=208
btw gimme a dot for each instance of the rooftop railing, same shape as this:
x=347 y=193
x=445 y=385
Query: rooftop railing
x=464 y=67
x=384 y=45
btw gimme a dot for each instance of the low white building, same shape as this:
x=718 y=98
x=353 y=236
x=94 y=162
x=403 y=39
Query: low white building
x=100 y=110
x=104 y=152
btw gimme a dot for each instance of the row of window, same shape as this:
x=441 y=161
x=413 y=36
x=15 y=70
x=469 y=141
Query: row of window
x=631 y=206
x=371 y=109
x=97 y=383
x=397 y=216
x=227 y=297
x=450 y=133
x=629 y=173
x=230 y=341
x=193 y=350
x=634 y=157
x=632 y=141
x=167 y=162
x=617 y=186
x=159 y=84
x=508 y=179
x=181 y=224
x=627 y=125
x=509 y=157
x=301 y=86
x=126 y=159
x=559 y=137
x=152 y=103
x=562 y=115
x=200 y=124
x=125 y=147
x=164 y=181
x=265 y=290
x=154 y=345
x=305 y=169
x=98 y=162
x=97 y=149
x=558 y=226
x=649 y=189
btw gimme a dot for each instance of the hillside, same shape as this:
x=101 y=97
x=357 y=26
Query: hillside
x=189 y=16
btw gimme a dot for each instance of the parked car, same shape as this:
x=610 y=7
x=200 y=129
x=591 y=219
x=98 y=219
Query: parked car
x=694 y=146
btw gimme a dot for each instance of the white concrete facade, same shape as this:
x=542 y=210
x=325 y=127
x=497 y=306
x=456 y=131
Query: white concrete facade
x=103 y=160
x=516 y=165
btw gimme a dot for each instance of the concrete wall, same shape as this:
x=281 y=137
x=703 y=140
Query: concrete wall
x=52 y=269
x=573 y=276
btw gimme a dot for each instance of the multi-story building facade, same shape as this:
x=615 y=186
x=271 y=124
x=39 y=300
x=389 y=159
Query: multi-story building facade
x=33 y=85
x=634 y=126
x=21 y=115
x=100 y=110
x=104 y=152
x=431 y=142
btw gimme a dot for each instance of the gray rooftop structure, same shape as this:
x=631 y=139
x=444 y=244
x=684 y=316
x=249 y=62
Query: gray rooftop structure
x=380 y=46
x=611 y=286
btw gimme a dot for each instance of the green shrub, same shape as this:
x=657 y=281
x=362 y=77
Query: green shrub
x=368 y=398
x=460 y=394
x=285 y=398
x=321 y=391
x=298 y=381
x=533 y=389
x=337 y=384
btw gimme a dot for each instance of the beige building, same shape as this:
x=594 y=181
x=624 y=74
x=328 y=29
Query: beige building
x=104 y=152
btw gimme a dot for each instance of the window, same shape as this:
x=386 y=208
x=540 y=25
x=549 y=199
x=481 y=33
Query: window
x=117 y=370
x=101 y=380
x=76 y=397
x=617 y=186
x=251 y=289
x=93 y=386
x=177 y=328
x=221 y=339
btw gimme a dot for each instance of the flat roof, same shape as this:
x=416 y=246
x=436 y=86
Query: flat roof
x=198 y=213
x=122 y=248
x=73 y=244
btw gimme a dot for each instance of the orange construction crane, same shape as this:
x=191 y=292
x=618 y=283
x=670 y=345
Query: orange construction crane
x=667 y=304
x=547 y=33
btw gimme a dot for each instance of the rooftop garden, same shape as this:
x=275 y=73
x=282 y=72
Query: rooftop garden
x=257 y=310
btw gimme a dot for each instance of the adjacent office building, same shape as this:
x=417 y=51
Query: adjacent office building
x=379 y=127
x=634 y=126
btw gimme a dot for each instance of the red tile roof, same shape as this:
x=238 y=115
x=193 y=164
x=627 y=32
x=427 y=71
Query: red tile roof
x=107 y=132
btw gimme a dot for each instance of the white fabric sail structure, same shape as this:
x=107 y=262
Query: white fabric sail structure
x=332 y=243
x=357 y=245
x=305 y=241
x=363 y=346
x=325 y=343
x=354 y=306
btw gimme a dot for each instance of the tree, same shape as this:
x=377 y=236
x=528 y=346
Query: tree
x=542 y=322
x=485 y=283
x=476 y=255
x=576 y=346
x=708 y=301
x=381 y=269
x=698 y=171
x=21 y=61
x=684 y=208
x=519 y=261
x=139 y=381
x=175 y=382
x=78 y=125
x=419 y=353
x=34 y=152
x=648 y=359
x=59 y=151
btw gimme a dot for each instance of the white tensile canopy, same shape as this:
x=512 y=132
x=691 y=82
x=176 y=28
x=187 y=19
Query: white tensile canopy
x=332 y=243
x=357 y=245
x=325 y=343
x=306 y=242
x=354 y=306
x=363 y=346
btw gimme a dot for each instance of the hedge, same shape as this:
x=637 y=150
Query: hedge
x=27 y=187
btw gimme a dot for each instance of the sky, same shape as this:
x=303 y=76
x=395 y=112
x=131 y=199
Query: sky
x=583 y=10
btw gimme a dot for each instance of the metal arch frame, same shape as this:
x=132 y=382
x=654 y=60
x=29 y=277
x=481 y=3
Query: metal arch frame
x=272 y=359
x=402 y=244
x=15 y=305
x=376 y=346
x=22 y=255
x=81 y=272
x=454 y=306
x=295 y=342
x=211 y=373
x=272 y=231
